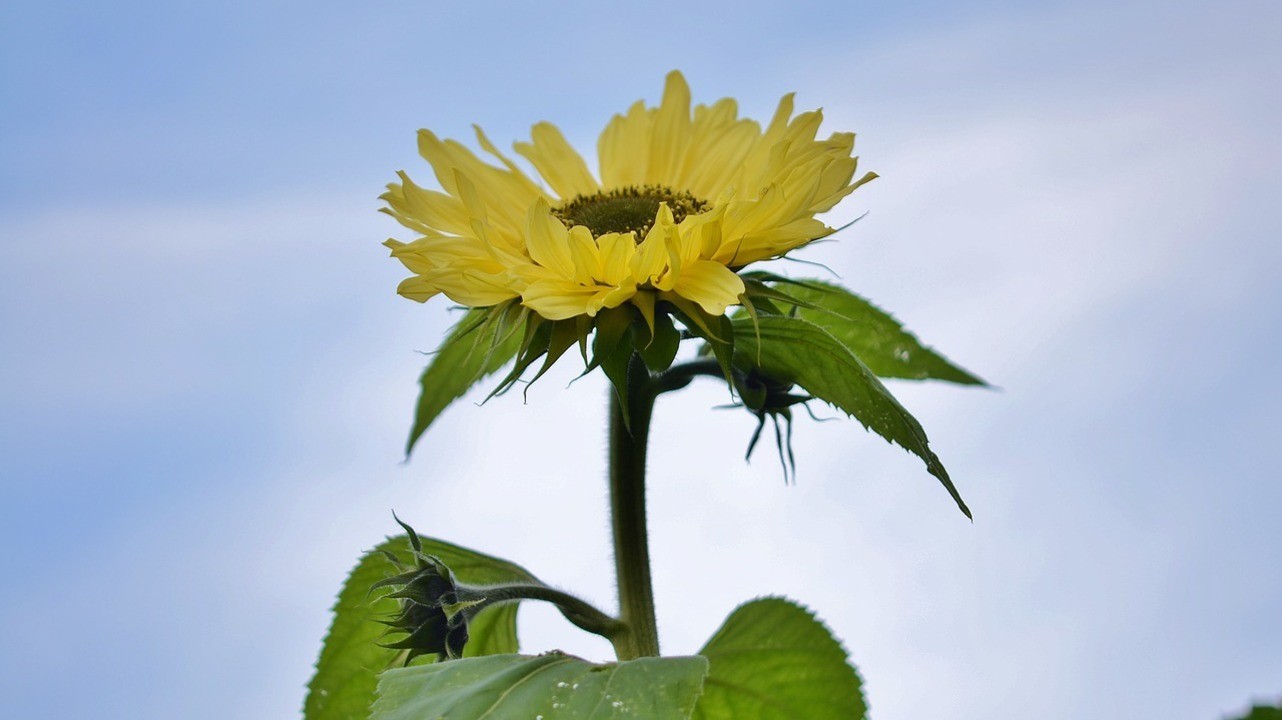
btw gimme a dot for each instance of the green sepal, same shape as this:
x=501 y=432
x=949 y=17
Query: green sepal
x=717 y=332
x=400 y=579
x=660 y=348
x=759 y=290
x=765 y=276
x=561 y=337
x=612 y=349
x=452 y=610
x=534 y=343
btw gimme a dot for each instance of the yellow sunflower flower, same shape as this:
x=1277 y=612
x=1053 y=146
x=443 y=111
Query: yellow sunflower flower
x=683 y=201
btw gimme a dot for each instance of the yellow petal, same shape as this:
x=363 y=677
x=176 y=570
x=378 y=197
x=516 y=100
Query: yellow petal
x=616 y=251
x=505 y=192
x=671 y=132
x=517 y=173
x=717 y=162
x=548 y=241
x=624 y=147
x=710 y=284
x=779 y=121
x=644 y=300
x=474 y=288
x=651 y=257
x=417 y=289
x=432 y=209
x=614 y=297
x=584 y=253
x=559 y=299
x=558 y=162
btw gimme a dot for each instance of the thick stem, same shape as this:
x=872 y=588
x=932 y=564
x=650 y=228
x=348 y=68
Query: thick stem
x=627 y=513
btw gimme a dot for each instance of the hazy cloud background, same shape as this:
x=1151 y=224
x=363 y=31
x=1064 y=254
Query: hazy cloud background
x=207 y=378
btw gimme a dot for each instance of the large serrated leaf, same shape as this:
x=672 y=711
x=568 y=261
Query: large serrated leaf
x=550 y=687
x=873 y=335
x=772 y=660
x=478 y=345
x=798 y=351
x=351 y=659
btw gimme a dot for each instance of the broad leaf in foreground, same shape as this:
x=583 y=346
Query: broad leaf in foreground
x=873 y=335
x=798 y=351
x=351 y=659
x=477 y=346
x=772 y=660
x=552 y=687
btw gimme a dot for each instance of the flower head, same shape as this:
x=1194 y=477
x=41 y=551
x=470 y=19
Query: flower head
x=684 y=198
x=652 y=250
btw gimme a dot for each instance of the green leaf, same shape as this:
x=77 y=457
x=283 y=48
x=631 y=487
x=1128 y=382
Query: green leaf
x=877 y=339
x=1263 y=712
x=715 y=330
x=493 y=631
x=772 y=660
x=350 y=660
x=477 y=346
x=552 y=686
x=798 y=351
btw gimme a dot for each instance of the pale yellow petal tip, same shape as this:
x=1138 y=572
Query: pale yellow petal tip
x=676 y=91
x=547 y=129
x=428 y=142
x=539 y=207
x=867 y=178
x=416 y=289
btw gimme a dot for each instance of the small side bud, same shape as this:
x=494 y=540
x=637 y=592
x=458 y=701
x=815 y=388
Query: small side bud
x=767 y=397
x=431 y=616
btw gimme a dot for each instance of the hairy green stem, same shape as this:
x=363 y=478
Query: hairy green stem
x=580 y=612
x=628 y=437
x=678 y=376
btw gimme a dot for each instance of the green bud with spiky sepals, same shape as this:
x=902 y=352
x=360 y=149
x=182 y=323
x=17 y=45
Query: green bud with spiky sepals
x=435 y=608
x=432 y=616
x=764 y=397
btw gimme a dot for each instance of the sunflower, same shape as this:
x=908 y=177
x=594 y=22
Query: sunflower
x=652 y=251
x=682 y=202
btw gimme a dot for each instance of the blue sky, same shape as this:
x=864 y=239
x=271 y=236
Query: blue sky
x=207 y=377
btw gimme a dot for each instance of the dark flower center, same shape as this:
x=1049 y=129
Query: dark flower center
x=627 y=209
